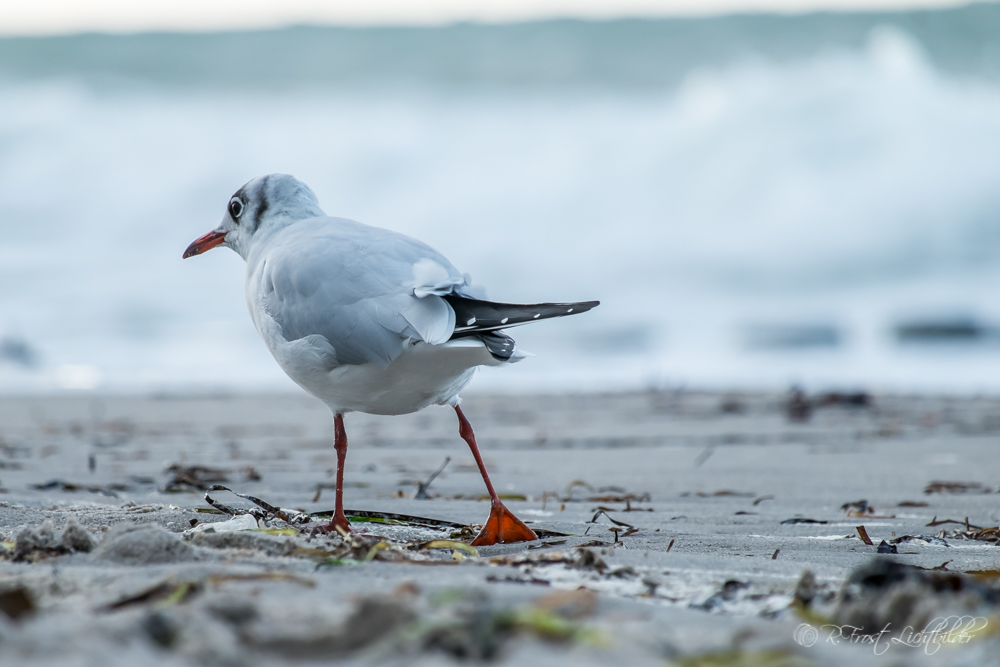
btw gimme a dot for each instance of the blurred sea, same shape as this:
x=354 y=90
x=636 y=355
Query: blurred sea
x=758 y=201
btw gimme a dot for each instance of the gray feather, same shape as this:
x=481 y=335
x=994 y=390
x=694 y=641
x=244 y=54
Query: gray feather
x=354 y=286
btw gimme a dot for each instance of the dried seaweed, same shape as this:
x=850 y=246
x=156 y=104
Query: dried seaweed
x=990 y=535
x=968 y=526
x=543 y=545
x=611 y=519
x=628 y=508
x=863 y=534
x=929 y=539
x=185 y=478
x=112 y=490
x=956 y=487
x=721 y=493
x=449 y=544
x=163 y=594
x=171 y=592
x=422 y=487
x=604 y=494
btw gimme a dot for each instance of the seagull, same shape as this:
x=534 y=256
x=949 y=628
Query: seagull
x=367 y=319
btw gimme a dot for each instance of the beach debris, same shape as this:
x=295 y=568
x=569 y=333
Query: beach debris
x=886 y=595
x=457 y=548
x=355 y=548
x=620 y=497
x=912 y=503
x=586 y=559
x=977 y=533
x=171 y=591
x=935 y=522
x=17 y=602
x=956 y=487
x=545 y=545
x=610 y=518
x=801 y=519
x=188 y=478
x=35 y=544
x=886 y=548
x=863 y=534
x=671 y=545
x=545 y=558
x=422 y=487
x=774 y=556
x=721 y=493
x=862 y=509
x=628 y=508
x=760 y=499
x=162 y=594
x=857 y=508
x=111 y=490
x=604 y=494
x=926 y=539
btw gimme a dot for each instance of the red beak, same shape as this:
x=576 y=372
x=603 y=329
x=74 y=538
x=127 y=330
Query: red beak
x=203 y=243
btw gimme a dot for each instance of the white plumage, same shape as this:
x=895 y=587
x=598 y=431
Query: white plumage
x=366 y=319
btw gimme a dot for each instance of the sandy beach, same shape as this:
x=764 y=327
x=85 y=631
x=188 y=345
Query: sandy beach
x=686 y=527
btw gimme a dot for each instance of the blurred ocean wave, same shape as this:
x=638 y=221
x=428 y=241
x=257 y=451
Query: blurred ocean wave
x=757 y=200
x=619 y=55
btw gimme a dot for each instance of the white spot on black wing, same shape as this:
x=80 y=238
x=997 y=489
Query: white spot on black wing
x=504 y=320
x=537 y=315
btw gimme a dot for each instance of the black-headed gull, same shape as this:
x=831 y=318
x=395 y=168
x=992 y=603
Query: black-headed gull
x=366 y=319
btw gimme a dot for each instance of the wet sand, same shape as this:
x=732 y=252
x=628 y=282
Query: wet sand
x=723 y=502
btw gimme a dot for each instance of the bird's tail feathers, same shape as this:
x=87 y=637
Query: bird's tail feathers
x=474 y=317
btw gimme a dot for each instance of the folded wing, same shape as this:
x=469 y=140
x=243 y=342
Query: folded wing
x=369 y=292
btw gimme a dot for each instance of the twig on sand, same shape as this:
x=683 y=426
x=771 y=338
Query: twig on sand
x=422 y=487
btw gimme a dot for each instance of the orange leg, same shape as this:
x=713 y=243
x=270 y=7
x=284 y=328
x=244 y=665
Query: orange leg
x=502 y=527
x=340 y=444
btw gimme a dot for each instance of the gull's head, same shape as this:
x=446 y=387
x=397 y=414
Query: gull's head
x=259 y=207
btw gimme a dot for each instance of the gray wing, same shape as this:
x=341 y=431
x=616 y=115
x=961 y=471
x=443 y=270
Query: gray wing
x=367 y=291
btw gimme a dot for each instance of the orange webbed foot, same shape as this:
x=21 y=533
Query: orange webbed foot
x=503 y=528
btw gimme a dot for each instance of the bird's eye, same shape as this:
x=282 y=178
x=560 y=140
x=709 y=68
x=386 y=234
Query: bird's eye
x=235 y=208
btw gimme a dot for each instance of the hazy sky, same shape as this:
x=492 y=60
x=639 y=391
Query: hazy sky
x=62 y=16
